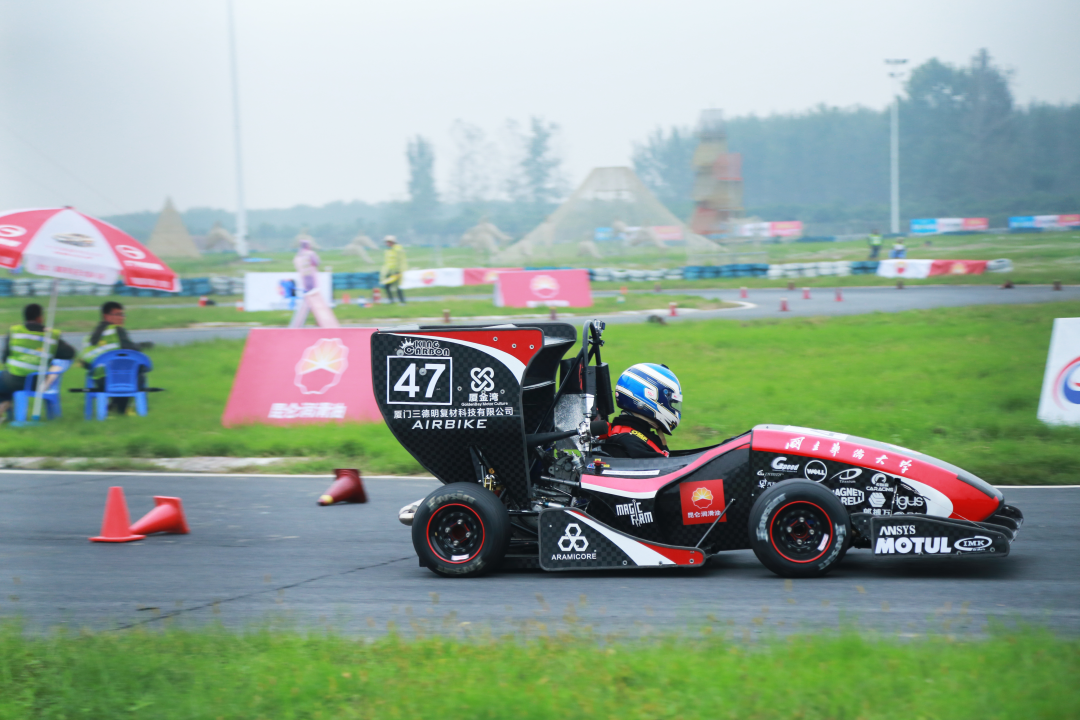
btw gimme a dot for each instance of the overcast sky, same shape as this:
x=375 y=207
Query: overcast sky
x=112 y=105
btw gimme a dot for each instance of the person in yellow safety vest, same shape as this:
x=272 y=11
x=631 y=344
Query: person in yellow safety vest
x=23 y=349
x=874 y=240
x=394 y=266
x=109 y=335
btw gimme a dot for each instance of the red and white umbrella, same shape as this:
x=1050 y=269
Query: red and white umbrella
x=65 y=244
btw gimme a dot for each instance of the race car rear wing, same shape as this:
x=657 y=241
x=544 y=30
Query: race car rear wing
x=452 y=394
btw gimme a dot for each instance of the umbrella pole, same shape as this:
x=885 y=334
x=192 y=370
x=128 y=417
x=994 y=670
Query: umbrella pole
x=46 y=352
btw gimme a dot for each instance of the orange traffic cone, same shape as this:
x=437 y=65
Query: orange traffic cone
x=806 y=293
x=839 y=295
x=742 y=293
x=783 y=305
x=347 y=487
x=167 y=517
x=116 y=525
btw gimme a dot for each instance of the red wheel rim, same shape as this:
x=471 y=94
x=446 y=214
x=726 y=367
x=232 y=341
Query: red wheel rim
x=455 y=527
x=801 y=528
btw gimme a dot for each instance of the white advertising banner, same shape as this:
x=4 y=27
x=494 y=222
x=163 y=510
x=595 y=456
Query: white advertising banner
x=433 y=277
x=279 y=290
x=1060 y=400
x=945 y=225
x=905 y=268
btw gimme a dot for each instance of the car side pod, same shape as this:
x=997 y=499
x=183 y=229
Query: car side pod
x=570 y=539
x=893 y=536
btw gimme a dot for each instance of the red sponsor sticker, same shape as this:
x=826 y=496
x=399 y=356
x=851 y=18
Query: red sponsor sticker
x=702 y=502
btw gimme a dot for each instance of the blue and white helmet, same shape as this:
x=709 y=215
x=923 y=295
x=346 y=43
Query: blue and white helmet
x=653 y=391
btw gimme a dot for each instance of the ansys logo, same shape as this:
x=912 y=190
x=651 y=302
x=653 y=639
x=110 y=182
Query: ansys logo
x=321 y=366
x=1067 y=385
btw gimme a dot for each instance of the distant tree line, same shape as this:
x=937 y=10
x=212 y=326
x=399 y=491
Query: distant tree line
x=515 y=187
x=966 y=149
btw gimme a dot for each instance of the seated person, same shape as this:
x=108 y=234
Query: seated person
x=23 y=349
x=651 y=397
x=110 y=335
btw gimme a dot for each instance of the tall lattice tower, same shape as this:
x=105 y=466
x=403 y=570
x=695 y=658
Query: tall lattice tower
x=718 y=187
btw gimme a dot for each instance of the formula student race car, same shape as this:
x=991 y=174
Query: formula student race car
x=526 y=486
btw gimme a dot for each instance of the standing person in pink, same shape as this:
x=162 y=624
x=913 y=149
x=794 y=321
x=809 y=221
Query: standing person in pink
x=306 y=263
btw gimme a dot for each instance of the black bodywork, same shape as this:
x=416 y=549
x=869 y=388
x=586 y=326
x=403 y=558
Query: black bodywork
x=510 y=411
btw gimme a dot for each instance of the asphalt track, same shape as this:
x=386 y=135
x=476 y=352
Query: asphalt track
x=764 y=303
x=261 y=551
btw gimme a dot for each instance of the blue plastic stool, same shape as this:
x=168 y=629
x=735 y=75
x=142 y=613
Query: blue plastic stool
x=121 y=380
x=21 y=399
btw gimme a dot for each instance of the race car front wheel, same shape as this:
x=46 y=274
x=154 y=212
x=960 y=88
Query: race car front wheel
x=461 y=530
x=799 y=529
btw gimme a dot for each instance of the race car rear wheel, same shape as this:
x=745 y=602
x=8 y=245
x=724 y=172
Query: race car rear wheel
x=461 y=530
x=799 y=529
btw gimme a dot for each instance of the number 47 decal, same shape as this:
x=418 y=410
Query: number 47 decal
x=409 y=376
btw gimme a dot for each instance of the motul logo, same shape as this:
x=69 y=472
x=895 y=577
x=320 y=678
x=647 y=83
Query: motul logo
x=912 y=546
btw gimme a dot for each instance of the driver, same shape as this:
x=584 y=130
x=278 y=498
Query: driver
x=651 y=398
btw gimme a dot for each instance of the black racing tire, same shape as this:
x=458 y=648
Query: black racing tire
x=799 y=529
x=461 y=530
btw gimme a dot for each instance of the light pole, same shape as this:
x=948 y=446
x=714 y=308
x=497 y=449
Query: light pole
x=896 y=72
x=241 y=212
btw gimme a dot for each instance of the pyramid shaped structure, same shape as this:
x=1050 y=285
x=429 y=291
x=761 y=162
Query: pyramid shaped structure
x=170 y=239
x=609 y=197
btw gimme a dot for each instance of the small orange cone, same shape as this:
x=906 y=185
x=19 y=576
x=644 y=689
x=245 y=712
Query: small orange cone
x=839 y=295
x=673 y=309
x=742 y=293
x=347 y=487
x=167 y=517
x=116 y=525
x=806 y=293
x=783 y=305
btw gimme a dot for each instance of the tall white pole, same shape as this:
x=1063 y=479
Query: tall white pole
x=241 y=211
x=895 y=166
x=897 y=74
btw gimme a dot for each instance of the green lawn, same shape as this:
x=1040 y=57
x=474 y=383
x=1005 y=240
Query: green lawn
x=1038 y=258
x=961 y=384
x=145 y=315
x=262 y=674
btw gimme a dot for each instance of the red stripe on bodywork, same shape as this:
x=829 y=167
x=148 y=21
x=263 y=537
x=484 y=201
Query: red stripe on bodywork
x=969 y=503
x=679 y=556
x=522 y=343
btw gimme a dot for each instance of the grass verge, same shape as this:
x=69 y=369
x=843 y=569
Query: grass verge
x=961 y=384
x=147 y=315
x=215 y=674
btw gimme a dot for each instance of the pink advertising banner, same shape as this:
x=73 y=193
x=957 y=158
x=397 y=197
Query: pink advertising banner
x=484 y=276
x=303 y=375
x=543 y=288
